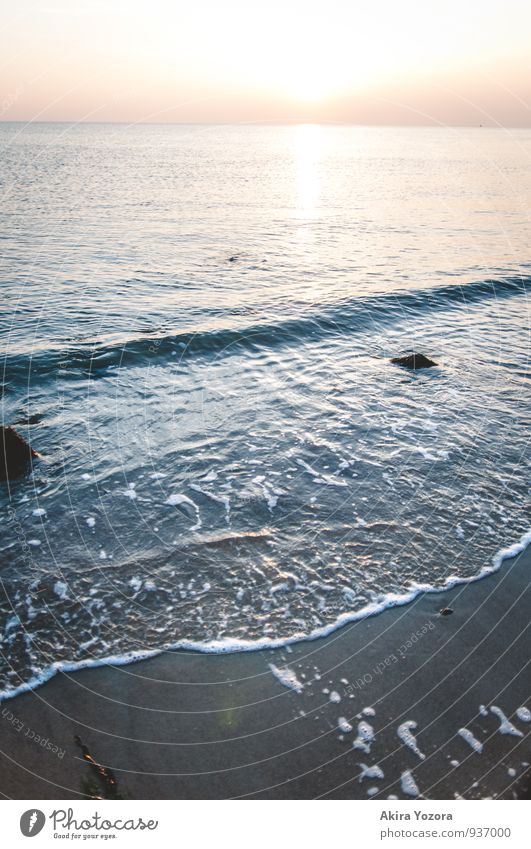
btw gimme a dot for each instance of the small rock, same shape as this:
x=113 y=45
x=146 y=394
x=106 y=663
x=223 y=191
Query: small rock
x=30 y=420
x=446 y=611
x=15 y=454
x=413 y=361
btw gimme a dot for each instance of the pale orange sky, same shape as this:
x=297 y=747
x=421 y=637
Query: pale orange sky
x=382 y=62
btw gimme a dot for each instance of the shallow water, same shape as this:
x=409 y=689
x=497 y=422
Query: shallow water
x=198 y=322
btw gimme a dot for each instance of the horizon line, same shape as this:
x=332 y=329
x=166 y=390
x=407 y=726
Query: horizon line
x=283 y=123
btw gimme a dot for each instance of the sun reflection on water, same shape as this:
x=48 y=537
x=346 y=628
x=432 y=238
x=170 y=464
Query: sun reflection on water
x=307 y=159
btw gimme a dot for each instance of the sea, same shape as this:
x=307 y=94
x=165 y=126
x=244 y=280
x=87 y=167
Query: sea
x=197 y=326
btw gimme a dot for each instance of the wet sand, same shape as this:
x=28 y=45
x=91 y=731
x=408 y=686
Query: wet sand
x=187 y=725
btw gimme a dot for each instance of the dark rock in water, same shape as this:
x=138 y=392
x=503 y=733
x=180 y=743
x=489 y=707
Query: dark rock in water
x=31 y=420
x=413 y=361
x=15 y=454
x=233 y=258
x=446 y=611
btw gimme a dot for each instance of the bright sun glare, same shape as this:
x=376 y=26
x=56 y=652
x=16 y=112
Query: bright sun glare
x=306 y=67
x=307 y=84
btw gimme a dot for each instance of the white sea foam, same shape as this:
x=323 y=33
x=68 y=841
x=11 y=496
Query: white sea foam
x=271 y=494
x=506 y=727
x=472 y=741
x=209 y=477
x=405 y=734
x=60 y=589
x=11 y=623
x=370 y=772
x=523 y=714
x=287 y=677
x=344 y=725
x=365 y=737
x=40 y=511
x=177 y=498
x=434 y=456
x=327 y=480
x=220 y=499
x=228 y=645
x=408 y=784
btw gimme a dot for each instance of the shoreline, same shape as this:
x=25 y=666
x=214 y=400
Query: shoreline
x=196 y=725
x=233 y=646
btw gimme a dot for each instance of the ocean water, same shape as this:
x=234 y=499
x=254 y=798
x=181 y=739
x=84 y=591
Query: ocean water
x=196 y=331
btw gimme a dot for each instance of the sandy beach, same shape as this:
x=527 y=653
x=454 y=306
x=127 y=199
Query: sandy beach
x=276 y=724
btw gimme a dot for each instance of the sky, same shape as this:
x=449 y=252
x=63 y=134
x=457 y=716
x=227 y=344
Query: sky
x=450 y=62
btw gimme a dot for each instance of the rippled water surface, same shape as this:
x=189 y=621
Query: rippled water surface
x=197 y=326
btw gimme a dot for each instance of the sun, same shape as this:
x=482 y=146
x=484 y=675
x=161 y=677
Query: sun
x=306 y=81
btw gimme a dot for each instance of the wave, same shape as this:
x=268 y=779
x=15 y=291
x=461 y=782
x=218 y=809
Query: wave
x=345 y=317
x=231 y=646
